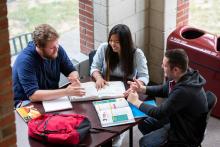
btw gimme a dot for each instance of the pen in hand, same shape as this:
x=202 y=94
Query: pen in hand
x=135 y=74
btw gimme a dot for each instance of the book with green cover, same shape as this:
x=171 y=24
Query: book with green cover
x=113 y=112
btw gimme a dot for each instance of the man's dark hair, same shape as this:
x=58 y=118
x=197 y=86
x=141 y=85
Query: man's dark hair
x=177 y=58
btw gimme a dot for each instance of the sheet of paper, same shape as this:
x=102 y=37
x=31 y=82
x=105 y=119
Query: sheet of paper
x=113 y=89
x=57 y=104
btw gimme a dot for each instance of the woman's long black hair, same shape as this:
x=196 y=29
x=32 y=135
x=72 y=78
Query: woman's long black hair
x=127 y=51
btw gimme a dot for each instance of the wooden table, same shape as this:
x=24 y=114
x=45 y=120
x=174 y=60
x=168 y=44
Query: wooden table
x=85 y=108
x=102 y=138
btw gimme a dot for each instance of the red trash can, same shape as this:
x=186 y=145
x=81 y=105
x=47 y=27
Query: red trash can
x=203 y=49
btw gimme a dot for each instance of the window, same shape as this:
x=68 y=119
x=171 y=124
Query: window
x=63 y=15
x=205 y=15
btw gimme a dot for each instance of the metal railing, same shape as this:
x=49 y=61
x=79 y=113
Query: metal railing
x=18 y=43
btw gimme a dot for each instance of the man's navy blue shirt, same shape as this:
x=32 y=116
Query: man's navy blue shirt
x=31 y=72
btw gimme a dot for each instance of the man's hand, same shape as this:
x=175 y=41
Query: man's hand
x=135 y=85
x=75 y=90
x=74 y=78
x=133 y=98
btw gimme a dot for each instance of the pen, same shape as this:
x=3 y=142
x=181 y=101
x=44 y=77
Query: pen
x=135 y=74
x=19 y=104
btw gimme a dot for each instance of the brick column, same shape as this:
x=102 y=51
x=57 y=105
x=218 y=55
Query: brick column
x=86 y=23
x=7 y=125
x=182 y=12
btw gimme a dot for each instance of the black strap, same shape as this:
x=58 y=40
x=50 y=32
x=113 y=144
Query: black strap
x=43 y=134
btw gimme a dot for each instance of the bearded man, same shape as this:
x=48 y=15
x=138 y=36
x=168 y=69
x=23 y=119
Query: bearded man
x=36 y=71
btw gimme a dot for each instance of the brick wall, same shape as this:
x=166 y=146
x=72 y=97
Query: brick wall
x=182 y=12
x=7 y=125
x=86 y=23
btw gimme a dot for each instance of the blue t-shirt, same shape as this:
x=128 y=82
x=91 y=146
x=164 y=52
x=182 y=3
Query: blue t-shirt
x=31 y=72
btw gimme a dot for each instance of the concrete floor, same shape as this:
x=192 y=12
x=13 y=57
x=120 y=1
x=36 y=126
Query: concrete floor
x=212 y=136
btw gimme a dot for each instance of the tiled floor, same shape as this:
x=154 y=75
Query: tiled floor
x=212 y=136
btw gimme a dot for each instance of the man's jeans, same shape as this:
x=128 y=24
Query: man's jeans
x=155 y=132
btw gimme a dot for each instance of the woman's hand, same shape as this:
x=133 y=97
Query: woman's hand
x=100 y=83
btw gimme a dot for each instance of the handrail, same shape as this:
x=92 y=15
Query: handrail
x=18 y=43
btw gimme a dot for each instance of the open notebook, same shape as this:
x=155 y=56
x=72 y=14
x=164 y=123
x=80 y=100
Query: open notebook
x=113 y=112
x=114 y=89
x=62 y=103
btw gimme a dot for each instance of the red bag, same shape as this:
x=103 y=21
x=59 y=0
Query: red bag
x=59 y=128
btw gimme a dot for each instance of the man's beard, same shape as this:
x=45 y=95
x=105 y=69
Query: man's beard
x=53 y=56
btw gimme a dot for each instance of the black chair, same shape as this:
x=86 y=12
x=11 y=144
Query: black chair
x=212 y=100
x=91 y=55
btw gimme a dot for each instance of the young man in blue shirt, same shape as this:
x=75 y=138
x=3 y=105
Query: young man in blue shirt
x=36 y=71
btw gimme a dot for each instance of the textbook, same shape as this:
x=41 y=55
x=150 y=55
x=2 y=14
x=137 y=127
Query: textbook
x=62 y=103
x=114 y=89
x=28 y=112
x=113 y=112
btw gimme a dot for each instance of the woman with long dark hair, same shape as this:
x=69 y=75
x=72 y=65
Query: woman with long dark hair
x=119 y=58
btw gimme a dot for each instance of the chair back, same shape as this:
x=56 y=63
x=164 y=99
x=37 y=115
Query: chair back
x=91 y=55
x=211 y=100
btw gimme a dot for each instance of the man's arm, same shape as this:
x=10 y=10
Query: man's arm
x=159 y=90
x=176 y=101
x=73 y=89
x=41 y=95
x=137 y=86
